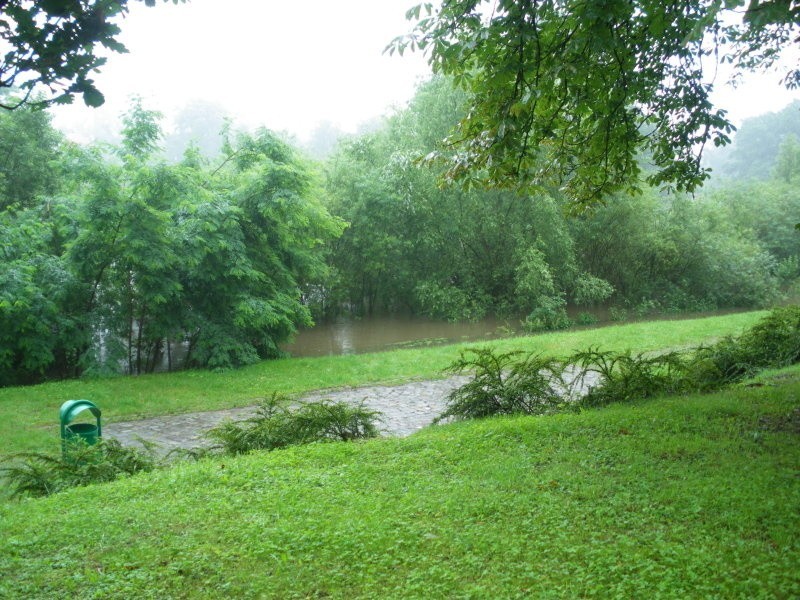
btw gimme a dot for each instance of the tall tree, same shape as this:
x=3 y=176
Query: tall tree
x=756 y=145
x=572 y=92
x=28 y=156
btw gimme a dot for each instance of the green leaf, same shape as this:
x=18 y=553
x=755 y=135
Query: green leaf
x=93 y=97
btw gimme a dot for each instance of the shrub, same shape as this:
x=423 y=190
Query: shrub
x=516 y=383
x=586 y=318
x=37 y=474
x=277 y=425
x=624 y=377
x=618 y=313
x=591 y=290
x=548 y=315
x=503 y=384
x=775 y=340
x=451 y=302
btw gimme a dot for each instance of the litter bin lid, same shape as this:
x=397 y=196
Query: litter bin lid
x=71 y=408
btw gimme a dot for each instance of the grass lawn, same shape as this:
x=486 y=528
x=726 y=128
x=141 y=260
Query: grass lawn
x=29 y=415
x=681 y=497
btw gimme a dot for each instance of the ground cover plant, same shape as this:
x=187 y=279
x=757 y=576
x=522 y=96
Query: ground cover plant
x=520 y=383
x=277 y=424
x=28 y=415
x=672 y=497
x=39 y=474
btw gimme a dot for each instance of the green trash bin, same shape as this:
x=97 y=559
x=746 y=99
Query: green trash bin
x=88 y=432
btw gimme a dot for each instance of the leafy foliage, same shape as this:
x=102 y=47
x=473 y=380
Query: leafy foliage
x=513 y=382
x=773 y=342
x=40 y=330
x=504 y=383
x=119 y=257
x=452 y=253
x=52 y=44
x=277 y=425
x=36 y=474
x=28 y=157
x=624 y=377
x=444 y=252
x=679 y=254
x=755 y=150
x=569 y=93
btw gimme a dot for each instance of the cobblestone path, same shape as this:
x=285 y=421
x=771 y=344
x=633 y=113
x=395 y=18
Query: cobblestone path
x=405 y=408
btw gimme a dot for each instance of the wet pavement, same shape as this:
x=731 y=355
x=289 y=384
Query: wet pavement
x=404 y=409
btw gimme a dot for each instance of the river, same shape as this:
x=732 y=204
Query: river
x=376 y=333
x=354 y=336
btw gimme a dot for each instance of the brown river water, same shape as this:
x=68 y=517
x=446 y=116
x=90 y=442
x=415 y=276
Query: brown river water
x=355 y=336
x=377 y=333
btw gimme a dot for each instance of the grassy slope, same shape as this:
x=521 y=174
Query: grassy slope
x=671 y=498
x=29 y=415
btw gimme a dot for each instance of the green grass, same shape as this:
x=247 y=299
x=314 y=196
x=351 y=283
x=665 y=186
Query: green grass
x=29 y=415
x=689 y=497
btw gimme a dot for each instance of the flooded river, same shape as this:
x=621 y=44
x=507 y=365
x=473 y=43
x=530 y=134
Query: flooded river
x=373 y=334
x=354 y=336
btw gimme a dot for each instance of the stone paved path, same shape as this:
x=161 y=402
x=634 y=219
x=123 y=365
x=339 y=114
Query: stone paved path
x=405 y=408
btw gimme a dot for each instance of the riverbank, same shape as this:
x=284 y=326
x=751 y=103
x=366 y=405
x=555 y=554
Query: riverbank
x=679 y=497
x=29 y=415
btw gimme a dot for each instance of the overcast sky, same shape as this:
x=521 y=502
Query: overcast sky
x=287 y=65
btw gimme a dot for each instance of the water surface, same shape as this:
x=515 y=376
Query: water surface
x=355 y=336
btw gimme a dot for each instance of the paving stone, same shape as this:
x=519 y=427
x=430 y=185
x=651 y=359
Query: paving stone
x=405 y=409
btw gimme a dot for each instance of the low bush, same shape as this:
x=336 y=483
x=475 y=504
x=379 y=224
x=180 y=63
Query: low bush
x=549 y=315
x=38 y=474
x=618 y=314
x=503 y=384
x=774 y=341
x=586 y=318
x=624 y=377
x=277 y=425
x=517 y=383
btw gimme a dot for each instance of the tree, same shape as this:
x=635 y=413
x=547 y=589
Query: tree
x=199 y=123
x=787 y=163
x=173 y=253
x=53 y=45
x=574 y=92
x=756 y=146
x=443 y=252
x=28 y=157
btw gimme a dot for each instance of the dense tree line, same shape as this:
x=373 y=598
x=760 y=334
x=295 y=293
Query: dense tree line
x=109 y=253
x=458 y=253
x=111 y=256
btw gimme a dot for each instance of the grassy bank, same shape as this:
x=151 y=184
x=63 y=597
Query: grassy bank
x=671 y=498
x=29 y=415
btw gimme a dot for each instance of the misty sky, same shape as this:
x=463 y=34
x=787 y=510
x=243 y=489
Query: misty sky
x=286 y=65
